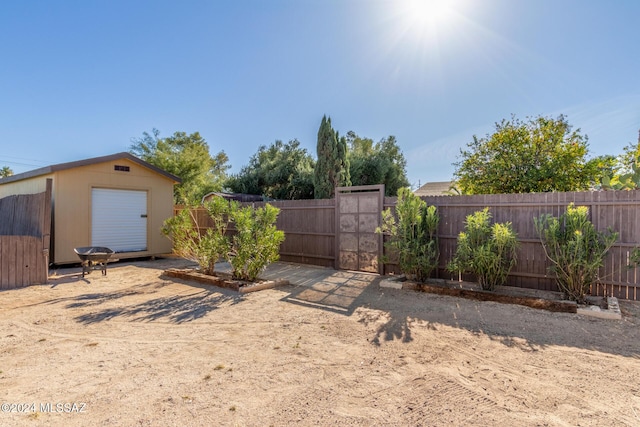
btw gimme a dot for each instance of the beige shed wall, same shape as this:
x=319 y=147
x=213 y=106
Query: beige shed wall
x=27 y=186
x=72 y=205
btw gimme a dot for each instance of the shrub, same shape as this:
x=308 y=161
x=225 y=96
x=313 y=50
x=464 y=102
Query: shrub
x=575 y=248
x=487 y=251
x=412 y=237
x=191 y=242
x=256 y=242
x=254 y=246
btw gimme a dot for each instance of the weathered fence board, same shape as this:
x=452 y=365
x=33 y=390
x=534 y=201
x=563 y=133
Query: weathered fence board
x=25 y=222
x=21 y=262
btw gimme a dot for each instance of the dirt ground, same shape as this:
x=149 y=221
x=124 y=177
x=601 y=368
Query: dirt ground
x=138 y=349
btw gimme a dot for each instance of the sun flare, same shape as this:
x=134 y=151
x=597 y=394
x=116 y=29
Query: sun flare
x=428 y=11
x=427 y=17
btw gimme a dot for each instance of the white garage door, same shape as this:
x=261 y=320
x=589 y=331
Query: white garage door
x=119 y=219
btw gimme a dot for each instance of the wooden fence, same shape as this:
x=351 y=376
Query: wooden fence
x=25 y=223
x=618 y=210
x=310 y=230
x=309 y=227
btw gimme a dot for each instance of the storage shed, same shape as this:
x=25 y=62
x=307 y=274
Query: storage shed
x=116 y=201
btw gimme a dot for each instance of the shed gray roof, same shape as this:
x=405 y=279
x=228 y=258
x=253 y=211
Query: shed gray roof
x=87 y=162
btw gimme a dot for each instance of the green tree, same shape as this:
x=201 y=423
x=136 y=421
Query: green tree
x=5 y=171
x=625 y=175
x=186 y=156
x=377 y=163
x=539 y=155
x=332 y=165
x=604 y=166
x=629 y=156
x=280 y=171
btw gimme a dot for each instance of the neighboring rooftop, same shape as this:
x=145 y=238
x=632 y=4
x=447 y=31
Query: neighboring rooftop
x=435 y=189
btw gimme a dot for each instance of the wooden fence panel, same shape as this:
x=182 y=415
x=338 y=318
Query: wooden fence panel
x=615 y=209
x=22 y=262
x=25 y=231
x=309 y=228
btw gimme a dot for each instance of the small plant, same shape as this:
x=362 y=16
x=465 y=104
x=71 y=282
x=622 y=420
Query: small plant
x=195 y=243
x=634 y=258
x=575 y=248
x=256 y=242
x=412 y=236
x=485 y=250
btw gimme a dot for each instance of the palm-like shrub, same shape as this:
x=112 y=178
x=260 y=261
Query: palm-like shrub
x=575 y=248
x=484 y=250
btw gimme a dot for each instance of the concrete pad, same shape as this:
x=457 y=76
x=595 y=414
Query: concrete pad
x=611 y=313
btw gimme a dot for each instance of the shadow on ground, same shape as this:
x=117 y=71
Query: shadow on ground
x=395 y=312
x=175 y=308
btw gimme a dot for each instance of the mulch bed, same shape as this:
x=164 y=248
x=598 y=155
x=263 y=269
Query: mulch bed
x=546 y=300
x=224 y=280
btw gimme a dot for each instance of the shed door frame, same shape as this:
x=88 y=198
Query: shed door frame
x=119 y=219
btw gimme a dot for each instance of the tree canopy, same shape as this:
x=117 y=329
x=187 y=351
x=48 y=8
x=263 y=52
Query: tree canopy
x=332 y=165
x=186 y=156
x=538 y=155
x=377 y=163
x=280 y=171
x=629 y=156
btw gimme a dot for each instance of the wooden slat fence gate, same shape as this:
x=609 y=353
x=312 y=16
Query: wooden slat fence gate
x=358 y=214
x=312 y=230
x=25 y=226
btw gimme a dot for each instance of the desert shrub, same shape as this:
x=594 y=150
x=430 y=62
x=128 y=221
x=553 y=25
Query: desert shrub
x=575 y=248
x=485 y=250
x=192 y=241
x=256 y=242
x=412 y=236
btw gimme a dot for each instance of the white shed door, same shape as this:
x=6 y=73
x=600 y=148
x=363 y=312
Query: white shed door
x=119 y=219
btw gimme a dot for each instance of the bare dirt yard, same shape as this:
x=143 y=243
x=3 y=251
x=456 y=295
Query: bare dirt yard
x=135 y=348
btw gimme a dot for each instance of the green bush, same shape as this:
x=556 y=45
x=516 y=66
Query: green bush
x=634 y=258
x=487 y=251
x=575 y=248
x=256 y=242
x=193 y=242
x=412 y=237
x=254 y=246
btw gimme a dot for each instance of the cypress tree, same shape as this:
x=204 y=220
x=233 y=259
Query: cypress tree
x=332 y=166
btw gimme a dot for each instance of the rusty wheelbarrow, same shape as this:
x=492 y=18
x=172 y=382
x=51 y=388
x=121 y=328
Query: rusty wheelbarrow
x=93 y=258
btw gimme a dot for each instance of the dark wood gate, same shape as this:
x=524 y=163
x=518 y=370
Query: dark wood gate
x=358 y=214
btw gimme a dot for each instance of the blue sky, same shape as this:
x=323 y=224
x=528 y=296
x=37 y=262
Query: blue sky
x=80 y=79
